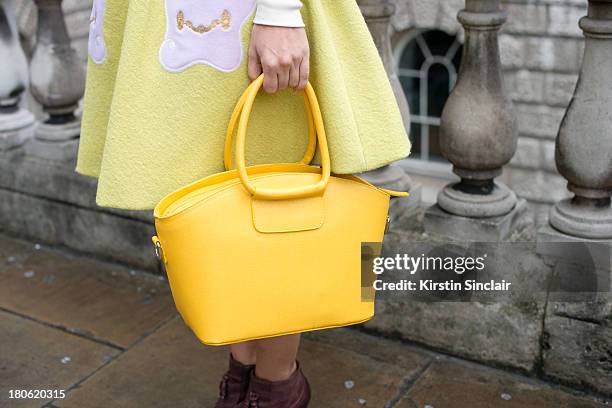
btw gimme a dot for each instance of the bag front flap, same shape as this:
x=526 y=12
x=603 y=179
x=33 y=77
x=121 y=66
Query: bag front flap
x=274 y=216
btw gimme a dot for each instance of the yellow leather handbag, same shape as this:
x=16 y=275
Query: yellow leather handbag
x=271 y=249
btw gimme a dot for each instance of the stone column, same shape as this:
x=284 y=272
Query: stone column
x=478 y=136
x=16 y=123
x=57 y=80
x=584 y=143
x=377 y=14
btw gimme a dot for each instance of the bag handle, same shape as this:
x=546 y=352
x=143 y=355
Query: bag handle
x=229 y=136
x=286 y=193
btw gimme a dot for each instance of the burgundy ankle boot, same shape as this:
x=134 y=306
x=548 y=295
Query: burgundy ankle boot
x=293 y=392
x=234 y=384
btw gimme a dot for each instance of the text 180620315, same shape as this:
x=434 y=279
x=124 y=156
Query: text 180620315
x=37 y=394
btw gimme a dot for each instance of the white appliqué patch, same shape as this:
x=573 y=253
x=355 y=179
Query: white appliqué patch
x=204 y=32
x=96 y=47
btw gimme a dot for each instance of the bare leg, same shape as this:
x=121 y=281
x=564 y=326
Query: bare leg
x=244 y=352
x=276 y=357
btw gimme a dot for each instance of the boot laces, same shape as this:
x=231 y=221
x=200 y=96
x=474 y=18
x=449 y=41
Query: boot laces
x=223 y=387
x=252 y=401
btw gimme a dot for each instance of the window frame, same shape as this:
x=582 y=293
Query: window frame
x=424 y=166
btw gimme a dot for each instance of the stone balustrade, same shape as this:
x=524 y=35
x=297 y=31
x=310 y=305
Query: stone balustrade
x=57 y=79
x=583 y=150
x=16 y=123
x=478 y=136
x=584 y=143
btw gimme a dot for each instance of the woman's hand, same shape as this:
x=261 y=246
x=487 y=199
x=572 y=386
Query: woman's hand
x=282 y=54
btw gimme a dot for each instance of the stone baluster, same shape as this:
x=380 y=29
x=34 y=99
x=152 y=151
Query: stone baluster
x=478 y=136
x=57 y=79
x=584 y=143
x=16 y=123
x=377 y=14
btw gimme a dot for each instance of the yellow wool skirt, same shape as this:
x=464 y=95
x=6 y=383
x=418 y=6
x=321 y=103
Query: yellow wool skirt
x=164 y=75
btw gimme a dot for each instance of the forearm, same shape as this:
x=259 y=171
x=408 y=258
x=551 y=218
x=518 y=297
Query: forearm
x=281 y=13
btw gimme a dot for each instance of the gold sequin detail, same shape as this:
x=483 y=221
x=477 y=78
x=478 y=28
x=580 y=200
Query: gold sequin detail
x=224 y=21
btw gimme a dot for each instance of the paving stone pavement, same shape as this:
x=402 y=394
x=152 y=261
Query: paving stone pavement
x=110 y=337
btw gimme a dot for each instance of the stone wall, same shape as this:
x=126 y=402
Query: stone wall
x=531 y=329
x=541 y=48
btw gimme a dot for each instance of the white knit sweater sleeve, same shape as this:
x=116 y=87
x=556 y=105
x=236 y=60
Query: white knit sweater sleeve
x=282 y=13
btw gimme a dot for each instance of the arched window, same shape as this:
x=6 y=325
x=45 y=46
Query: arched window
x=427 y=65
